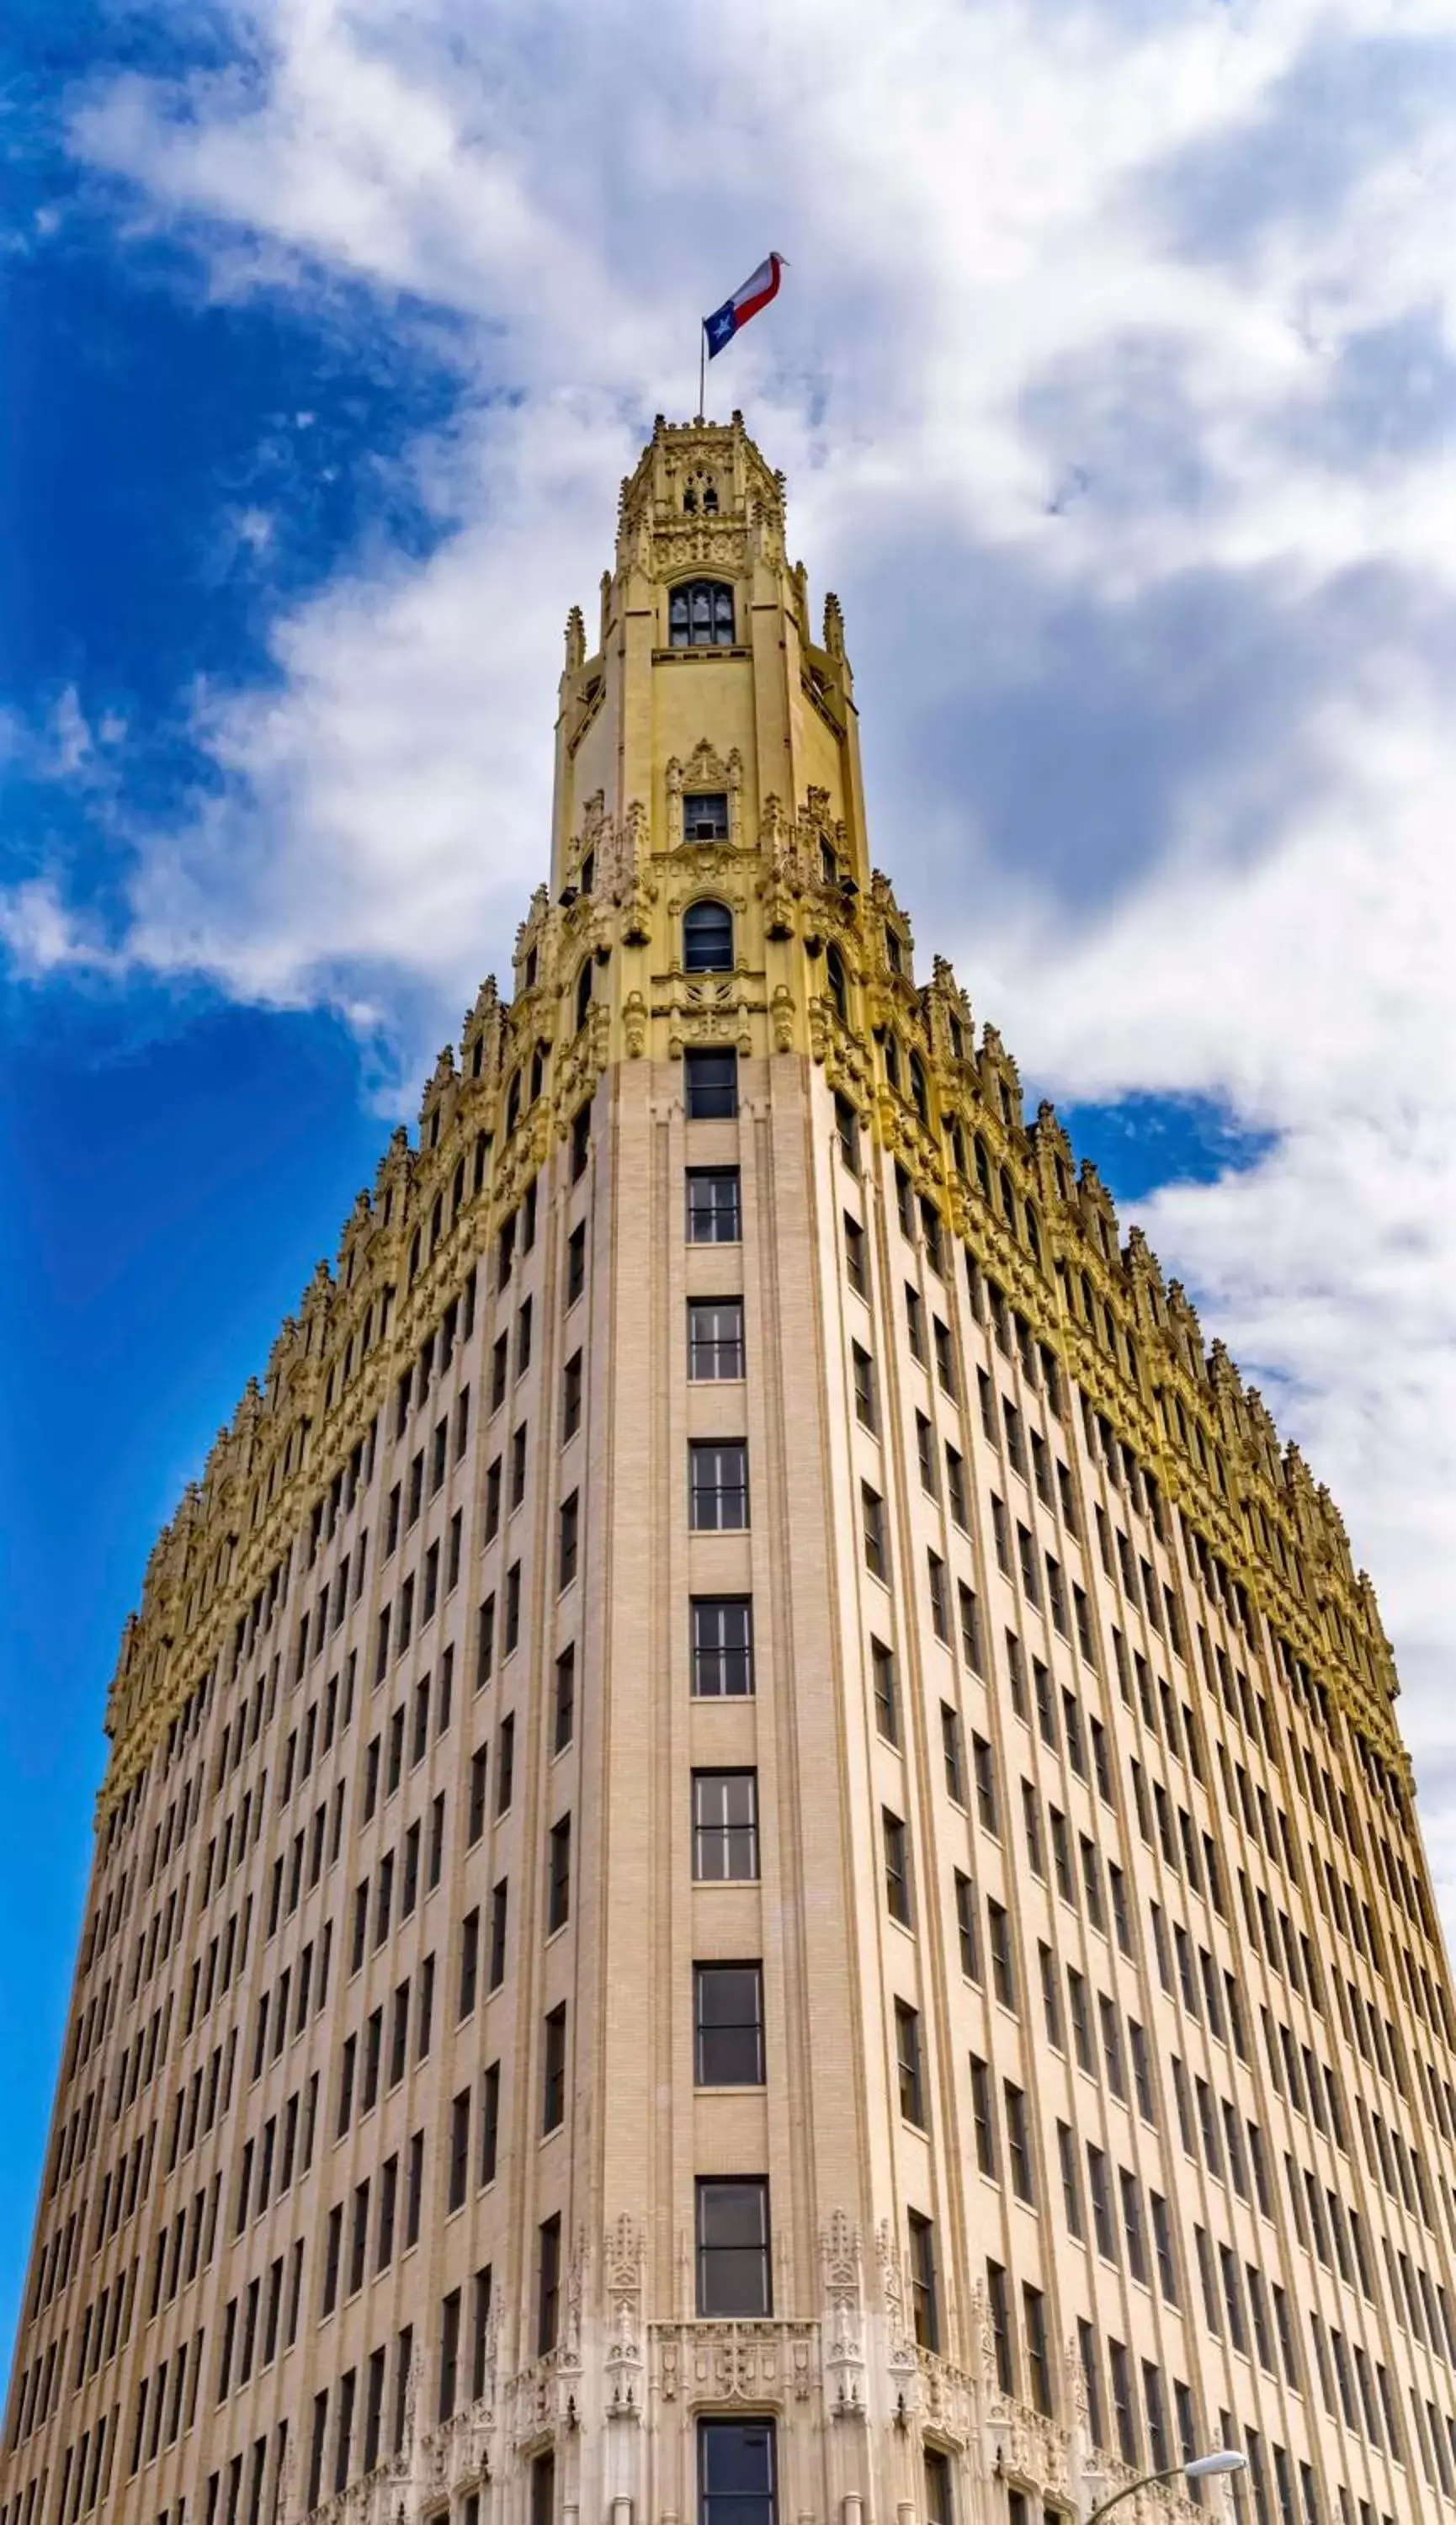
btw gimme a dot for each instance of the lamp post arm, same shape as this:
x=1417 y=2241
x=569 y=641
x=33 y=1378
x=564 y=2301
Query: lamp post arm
x=1150 y=2481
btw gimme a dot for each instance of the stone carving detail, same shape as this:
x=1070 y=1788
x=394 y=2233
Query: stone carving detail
x=623 y=2260
x=1077 y=2383
x=622 y=876
x=735 y=2362
x=781 y=1017
x=635 y=1024
x=705 y=770
x=904 y=2365
x=844 y=2316
x=948 y=2399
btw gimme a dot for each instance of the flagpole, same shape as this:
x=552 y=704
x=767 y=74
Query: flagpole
x=702 y=366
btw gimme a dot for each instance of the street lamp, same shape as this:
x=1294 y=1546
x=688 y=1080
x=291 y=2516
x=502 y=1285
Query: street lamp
x=1201 y=2467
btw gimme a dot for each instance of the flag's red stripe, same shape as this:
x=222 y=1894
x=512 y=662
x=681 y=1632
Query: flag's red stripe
x=750 y=306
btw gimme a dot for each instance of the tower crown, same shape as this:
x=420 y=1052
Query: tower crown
x=701 y=497
x=651 y=747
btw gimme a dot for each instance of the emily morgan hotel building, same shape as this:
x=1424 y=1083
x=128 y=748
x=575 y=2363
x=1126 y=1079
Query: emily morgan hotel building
x=755 y=1865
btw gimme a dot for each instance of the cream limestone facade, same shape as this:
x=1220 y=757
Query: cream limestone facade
x=755 y=1865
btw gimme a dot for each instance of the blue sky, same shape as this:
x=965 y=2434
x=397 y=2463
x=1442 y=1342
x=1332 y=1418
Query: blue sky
x=1114 y=378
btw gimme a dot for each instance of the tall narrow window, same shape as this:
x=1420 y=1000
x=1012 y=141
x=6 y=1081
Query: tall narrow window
x=559 y=1875
x=568 y=1541
x=871 y=1510
x=936 y=2469
x=734 y=2271
x=459 y=2148
x=565 y=1706
x=1038 y=2365
x=718 y=1485
x=722 y=1647
x=714 y=1207
x=553 y=2069
x=449 y=2354
x=736 y=2480
x=710 y=1085
x=924 y=2303
x=490 y=2122
x=714 y=1340
x=1018 y=2143
x=886 y=1696
x=907 y=2064
x=896 y=1868
x=729 y=2024
x=707 y=938
x=724 y=1826
x=548 y=2285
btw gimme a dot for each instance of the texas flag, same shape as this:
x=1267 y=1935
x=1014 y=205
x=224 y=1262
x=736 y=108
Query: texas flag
x=731 y=318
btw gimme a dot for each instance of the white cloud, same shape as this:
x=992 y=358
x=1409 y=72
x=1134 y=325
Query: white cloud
x=1113 y=378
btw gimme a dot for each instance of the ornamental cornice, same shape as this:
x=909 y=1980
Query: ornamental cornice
x=580 y=1065
x=846 y=1063
x=997 y=1251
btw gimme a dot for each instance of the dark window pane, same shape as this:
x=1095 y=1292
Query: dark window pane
x=734 y=2248
x=729 y=2004
x=735 y=2472
x=705 y=817
x=713 y=1210
x=707 y=938
x=711 y=1085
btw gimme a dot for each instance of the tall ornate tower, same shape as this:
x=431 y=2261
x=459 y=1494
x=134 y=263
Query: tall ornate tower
x=756 y=1864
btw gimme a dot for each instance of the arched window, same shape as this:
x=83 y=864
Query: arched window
x=414 y=1254
x=918 y=1092
x=893 y=1061
x=457 y=1190
x=690 y=502
x=583 y=994
x=700 y=616
x=537 y=1072
x=437 y=1220
x=982 y=1167
x=1088 y=1303
x=1008 y=1201
x=833 y=967
x=513 y=1104
x=707 y=938
x=710 y=501
x=483 y=1157
x=1033 y=1234
x=957 y=1148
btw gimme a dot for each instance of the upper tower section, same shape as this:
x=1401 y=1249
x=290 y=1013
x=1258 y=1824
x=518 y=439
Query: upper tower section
x=708 y=712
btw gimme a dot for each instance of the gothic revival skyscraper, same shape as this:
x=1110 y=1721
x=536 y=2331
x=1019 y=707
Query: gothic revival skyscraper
x=756 y=1864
